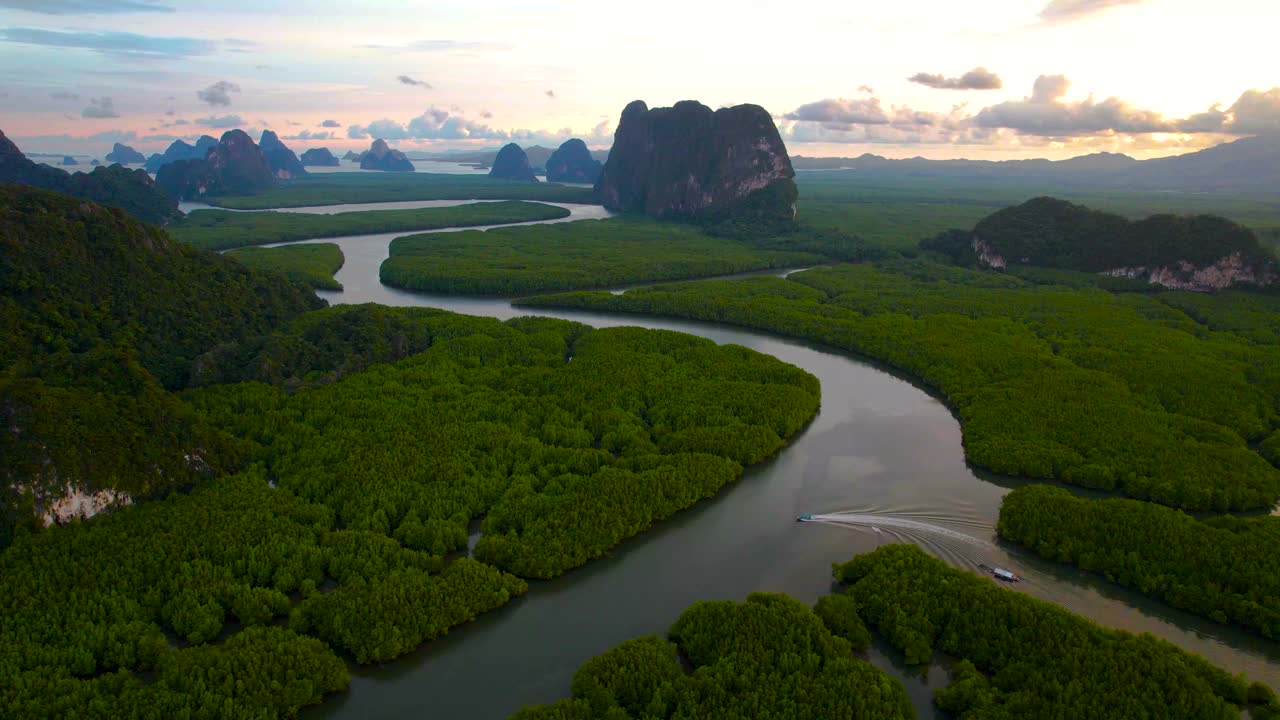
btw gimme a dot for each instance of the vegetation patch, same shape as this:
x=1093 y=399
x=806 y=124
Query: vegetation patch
x=1224 y=568
x=1025 y=658
x=767 y=657
x=222 y=229
x=1115 y=391
x=583 y=254
x=313 y=263
x=341 y=188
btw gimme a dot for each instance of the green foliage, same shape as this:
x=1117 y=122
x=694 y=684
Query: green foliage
x=313 y=264
x=1225 y=568
x=76 y=276
x=567 y=440
x=1112 y=391
x=840 y=614
x=564 y=256
x=405 y=608
x=1039 y=660
x=1049 y=232
x=340 y=188
x=768 y=657
x=100 y=313
x=85 y=608
x=222 y=229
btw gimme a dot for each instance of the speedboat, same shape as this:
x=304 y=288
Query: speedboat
x=804 y=518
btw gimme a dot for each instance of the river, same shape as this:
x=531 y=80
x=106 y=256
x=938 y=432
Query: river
x=879 y=445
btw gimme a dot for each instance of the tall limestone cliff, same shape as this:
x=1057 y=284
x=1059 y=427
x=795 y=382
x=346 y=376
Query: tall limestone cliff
x=235 y=166
x=512 y=163
x=572 y=162
x=125 y=154
x=180 y=150
x=280 y=158
x=380 y=156
x=692 y=163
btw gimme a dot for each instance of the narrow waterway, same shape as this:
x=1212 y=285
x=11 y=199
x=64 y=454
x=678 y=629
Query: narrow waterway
x=880 y=445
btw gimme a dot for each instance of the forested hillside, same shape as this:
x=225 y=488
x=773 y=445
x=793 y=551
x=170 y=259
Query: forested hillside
x=100 y=315
x=767 y=657
x=1115 y=391
x=1054 y=233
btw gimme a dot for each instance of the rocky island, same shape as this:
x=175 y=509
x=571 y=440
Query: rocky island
x=319 y=157
x=280 y=158
x=68 y=160
x=692 y=163
x=125 y=155
x=512 y=163
x=235 y=166
x=381 y=157
x=572 y=162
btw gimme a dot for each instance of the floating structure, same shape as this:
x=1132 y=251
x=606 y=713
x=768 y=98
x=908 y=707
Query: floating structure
x=804 y=518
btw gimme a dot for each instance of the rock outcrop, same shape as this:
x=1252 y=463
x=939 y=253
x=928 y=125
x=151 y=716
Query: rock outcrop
x=95 y=162
x=692 y=163
x=319 y=157
x=572 y=162
x=352 y=155
x=235 y=166
x=512 y=163
x=180 y=150
x=130 y=190
x=280 y=158
x=68 y=160
x=381 y=157
x=1194 y=252
x=125 y=155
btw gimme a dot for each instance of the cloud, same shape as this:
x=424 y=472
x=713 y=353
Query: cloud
x=866 y=89
x=485 y=114
x=177 y=122
x=405 y=79
x=1046 y=113
x=978 y=78
x=551 y=94
x=434 y=124
x=436 y=46
x=84 y=7
x=63 y=95
x=218 y=93
x=1256 y=113
x=331 y=124
x=100 y=108
x=308 y=135
x=1070 y=10
x=841 y=111
x=122 y=44
x=220 y=121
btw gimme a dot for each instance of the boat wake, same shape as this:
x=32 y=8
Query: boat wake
x=956 y=548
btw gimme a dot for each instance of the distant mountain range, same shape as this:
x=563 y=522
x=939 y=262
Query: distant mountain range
x=1248 y=164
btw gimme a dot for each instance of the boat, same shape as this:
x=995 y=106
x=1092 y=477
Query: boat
x=1000 y=573
x=804 y=518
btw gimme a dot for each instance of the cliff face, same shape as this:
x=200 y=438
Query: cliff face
x=572 y=162
x=689 y=162
x=130 y=190
x=280 y=158
x=320 y=157
x=125 y=154
x=512 y=163
x=381 y=157
x=235 y=166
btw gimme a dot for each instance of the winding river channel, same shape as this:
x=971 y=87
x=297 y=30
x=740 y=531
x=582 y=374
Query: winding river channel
x=879 y=446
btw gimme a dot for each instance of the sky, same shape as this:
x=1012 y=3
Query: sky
x=985 y=79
